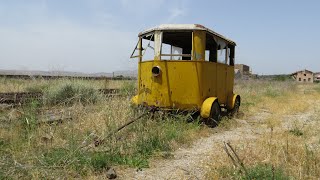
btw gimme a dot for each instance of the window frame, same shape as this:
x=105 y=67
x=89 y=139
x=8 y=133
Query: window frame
x=171 y=47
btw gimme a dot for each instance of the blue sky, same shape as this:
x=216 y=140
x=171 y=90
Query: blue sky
x=99 y=35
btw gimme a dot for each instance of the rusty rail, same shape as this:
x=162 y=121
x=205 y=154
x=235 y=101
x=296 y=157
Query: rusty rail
x=23 y=97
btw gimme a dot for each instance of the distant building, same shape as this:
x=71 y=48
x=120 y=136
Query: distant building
x=241 y=70
x=303 y=76
x=316 y=77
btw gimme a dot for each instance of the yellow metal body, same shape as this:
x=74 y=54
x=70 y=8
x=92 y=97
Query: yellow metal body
x=186 y=84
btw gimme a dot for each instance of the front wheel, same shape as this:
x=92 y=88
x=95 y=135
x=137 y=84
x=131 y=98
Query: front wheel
x=215 y=114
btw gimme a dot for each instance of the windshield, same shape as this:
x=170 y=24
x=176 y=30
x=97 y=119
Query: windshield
x=165 y=46
x=176 y=45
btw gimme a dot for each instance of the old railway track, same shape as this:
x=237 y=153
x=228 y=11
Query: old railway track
x=22 y=97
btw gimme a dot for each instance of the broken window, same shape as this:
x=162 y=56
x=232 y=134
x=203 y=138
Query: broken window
x=218 y=50
x=222 y=56
x=211 y=48
x=148 y=51
x=148 y=47
x=176 y=52
x=207 y=55
x=176 y=45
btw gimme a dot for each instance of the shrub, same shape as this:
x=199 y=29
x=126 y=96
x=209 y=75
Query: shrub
x=70 y=93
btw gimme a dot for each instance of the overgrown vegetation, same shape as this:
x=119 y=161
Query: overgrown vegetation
x=70 y=93
x=30 y=148
x=39 y=84
x=281 y=142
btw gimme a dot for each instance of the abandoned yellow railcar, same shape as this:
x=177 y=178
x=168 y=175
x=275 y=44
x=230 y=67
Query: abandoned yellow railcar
x=187 y=67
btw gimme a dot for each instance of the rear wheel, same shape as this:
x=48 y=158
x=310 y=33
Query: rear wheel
x=235 y=110
x=215 y=114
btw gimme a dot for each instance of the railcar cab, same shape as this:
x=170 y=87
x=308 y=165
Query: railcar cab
x=186 y=66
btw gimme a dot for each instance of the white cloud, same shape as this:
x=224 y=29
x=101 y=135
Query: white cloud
x=175 y=13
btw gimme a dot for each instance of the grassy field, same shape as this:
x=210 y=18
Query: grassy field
x=39 y=84
x=282 y=114
x=31 y=149
x=284 y=118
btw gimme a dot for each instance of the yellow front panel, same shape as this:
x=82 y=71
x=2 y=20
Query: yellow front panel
x=182 y=84
x=176 y=87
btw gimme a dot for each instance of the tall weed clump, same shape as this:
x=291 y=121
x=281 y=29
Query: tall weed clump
x=128 y=88
x=259 y=171
x=70 y=93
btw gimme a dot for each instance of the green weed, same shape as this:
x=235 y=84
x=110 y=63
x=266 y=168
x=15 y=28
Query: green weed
x=29 y=119
x=70 y=93
x=259 y=171
x=296 y=131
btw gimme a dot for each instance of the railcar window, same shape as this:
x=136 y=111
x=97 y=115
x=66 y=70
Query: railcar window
x=207 y=55
x=222 y=56
x=176 y=45
x=218 y=50
x=227 y=56
x=148 y=51
x=211 y=49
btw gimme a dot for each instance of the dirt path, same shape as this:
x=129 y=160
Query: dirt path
x=189 y=163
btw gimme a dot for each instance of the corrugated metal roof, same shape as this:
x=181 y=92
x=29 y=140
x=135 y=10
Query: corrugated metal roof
x=173 y=27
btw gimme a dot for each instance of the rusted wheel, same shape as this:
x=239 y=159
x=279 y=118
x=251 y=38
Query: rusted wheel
x=215 y=114
x=234 y=112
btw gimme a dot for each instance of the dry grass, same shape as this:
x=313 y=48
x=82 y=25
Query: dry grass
x=39 y=84
x=32 y=150
x=284 y=118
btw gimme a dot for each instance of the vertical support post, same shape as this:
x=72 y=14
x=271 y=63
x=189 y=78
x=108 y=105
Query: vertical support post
x=140 y=49
x=232 y=51
x=199 y=45
x=226 y=58
x=157 y=45
x=139 y=64
x=171 y=52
